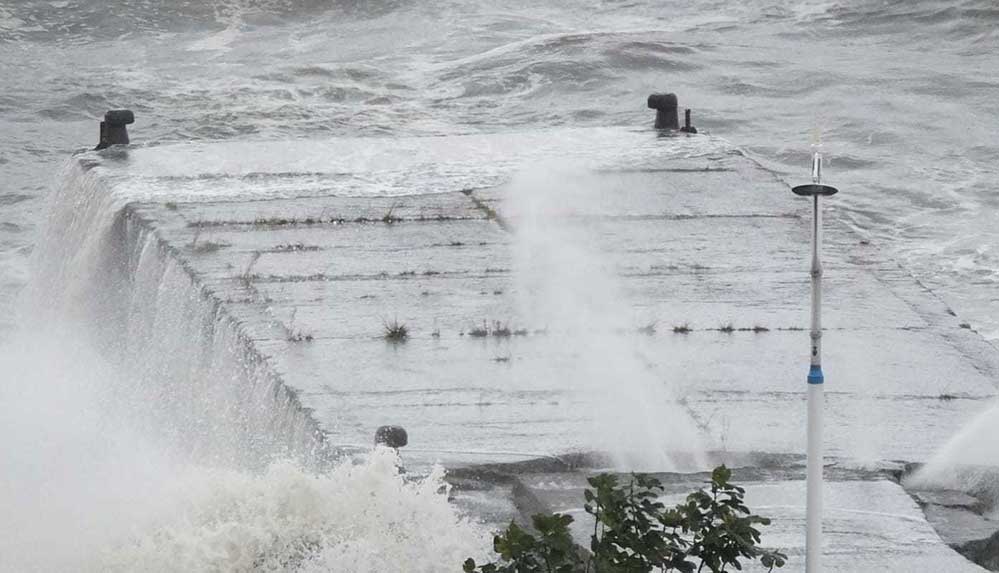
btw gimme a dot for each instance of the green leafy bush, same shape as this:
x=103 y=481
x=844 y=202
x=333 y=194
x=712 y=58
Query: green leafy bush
x=633 y=532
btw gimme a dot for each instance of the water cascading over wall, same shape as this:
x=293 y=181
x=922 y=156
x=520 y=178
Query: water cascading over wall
x=188 y=373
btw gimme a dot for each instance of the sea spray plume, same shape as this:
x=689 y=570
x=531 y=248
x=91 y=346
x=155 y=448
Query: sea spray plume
x=969 y=462
x=82 y=489
x=73 y=244
x=568 y=282
x=187 y=373
x=75 y=476
x=363 y=518
x=135 y=458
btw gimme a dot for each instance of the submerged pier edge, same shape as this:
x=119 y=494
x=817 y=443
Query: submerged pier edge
x=294 y=430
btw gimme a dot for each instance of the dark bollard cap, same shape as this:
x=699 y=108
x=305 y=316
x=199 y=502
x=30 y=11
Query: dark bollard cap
x=666 y=110
x=119 y=117
x=663 y=101
x=391 y=436
x=113 y=131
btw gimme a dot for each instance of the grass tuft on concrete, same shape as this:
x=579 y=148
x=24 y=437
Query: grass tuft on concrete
x=648 y=329
x=395 y=331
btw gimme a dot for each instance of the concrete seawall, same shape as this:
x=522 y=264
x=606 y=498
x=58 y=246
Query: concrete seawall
x=191 y=372
x=301 y=254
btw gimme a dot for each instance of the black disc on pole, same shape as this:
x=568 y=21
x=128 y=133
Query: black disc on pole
x=813 y=189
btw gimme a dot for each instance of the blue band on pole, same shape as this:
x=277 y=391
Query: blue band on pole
x=815 y=375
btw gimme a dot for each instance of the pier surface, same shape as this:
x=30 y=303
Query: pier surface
x=691 y=258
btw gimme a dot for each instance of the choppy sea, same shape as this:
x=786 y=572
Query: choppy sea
x=902 y=94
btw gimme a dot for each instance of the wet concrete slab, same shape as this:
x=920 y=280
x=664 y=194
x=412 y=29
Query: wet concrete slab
x=316 y=255
x=871 y=523
x=316 y=283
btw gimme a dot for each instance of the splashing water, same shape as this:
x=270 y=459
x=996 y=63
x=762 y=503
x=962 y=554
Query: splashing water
x=84 y=489
x=567 y=282
x=969 y=462
x=140 y=433
x=357 y=518
x=187 y=373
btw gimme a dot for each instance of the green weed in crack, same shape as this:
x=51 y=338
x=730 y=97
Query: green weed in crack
x=395 y=331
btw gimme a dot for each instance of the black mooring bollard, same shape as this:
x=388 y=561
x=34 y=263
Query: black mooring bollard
x=391 y=436
x=666 y=110
x=686 y=123
x=113 y=131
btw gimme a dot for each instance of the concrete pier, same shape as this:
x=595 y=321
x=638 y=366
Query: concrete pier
x=314 y=248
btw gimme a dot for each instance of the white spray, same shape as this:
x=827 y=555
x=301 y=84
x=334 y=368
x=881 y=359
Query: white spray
x=969 y=462
x=172 y=449
x=568 y=283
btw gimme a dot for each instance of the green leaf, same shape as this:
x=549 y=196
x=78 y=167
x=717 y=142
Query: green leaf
x=721 y=475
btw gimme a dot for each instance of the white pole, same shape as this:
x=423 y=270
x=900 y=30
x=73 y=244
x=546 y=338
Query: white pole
x=813 y=537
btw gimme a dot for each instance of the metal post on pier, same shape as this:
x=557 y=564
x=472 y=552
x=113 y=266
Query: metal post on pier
x=816 y=380
x=113 y=130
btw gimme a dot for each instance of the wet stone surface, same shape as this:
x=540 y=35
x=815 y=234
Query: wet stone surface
x=871 y=523
x=318 y=259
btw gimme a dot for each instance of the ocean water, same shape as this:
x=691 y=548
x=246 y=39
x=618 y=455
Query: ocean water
x=902 y=95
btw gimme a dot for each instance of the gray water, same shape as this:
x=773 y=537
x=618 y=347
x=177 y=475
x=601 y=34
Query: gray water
x=903 y=95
